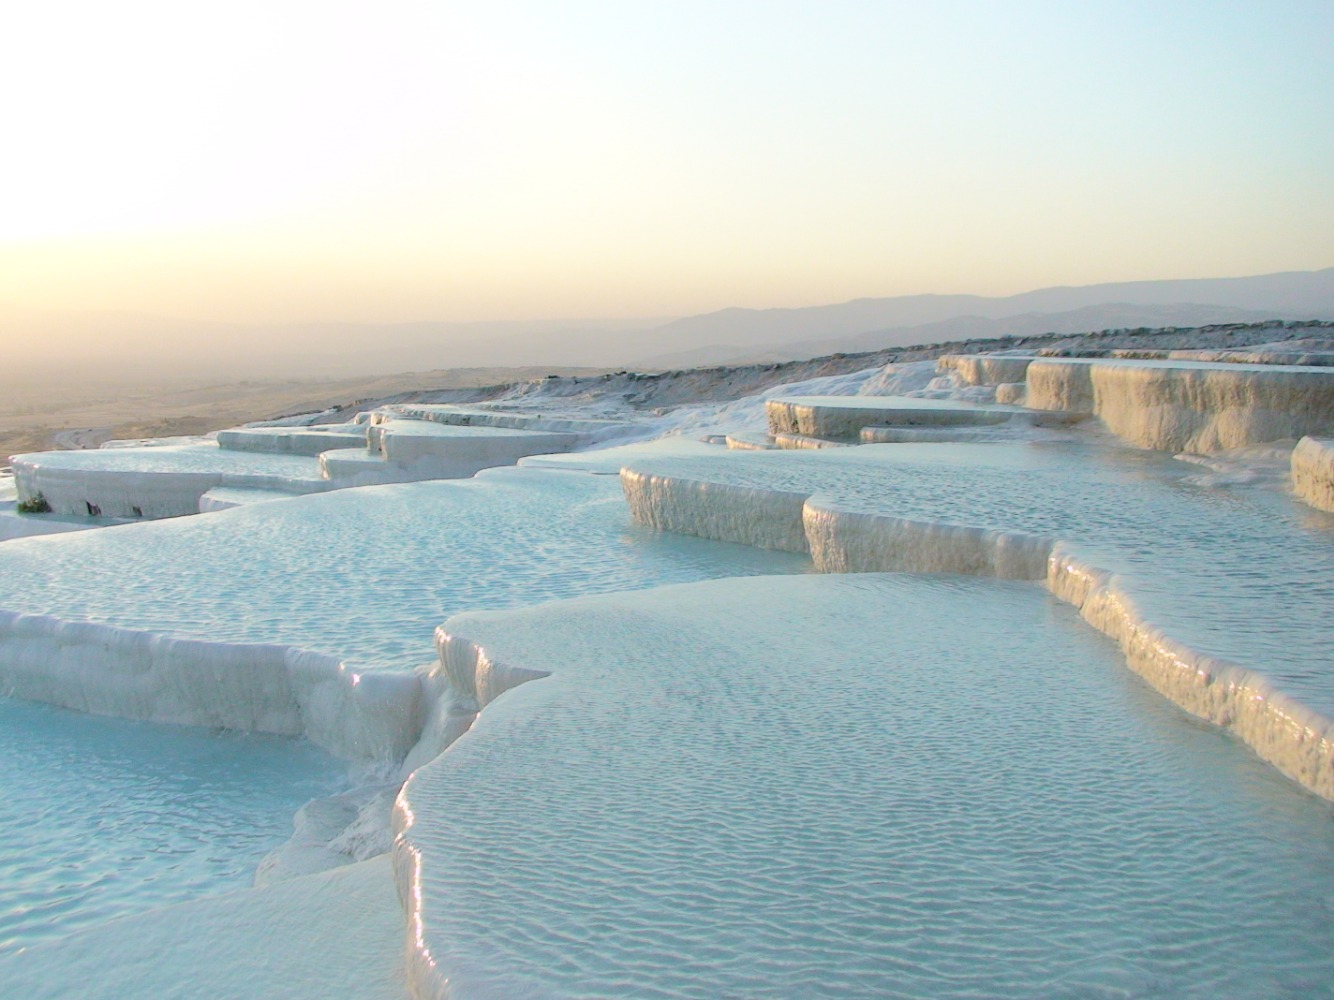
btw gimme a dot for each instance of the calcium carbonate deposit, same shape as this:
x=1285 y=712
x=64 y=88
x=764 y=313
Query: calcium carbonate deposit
x=1007 y=677
x=830 y=786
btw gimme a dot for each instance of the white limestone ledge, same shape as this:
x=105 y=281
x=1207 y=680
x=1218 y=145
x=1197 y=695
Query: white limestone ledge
x=590 y=431
x=1184 y=406
x=801 y=442
x=987 y=369
x=227 y=497
x=154 y=482
x=1259 y=355
x=1296 y=740
x=766 y=519
x=371 y=716
x=427 y=450
x=292 y=440
x=916 y=435
x=409 y=450
x=844 y=541
x=462 y=682
x=749 y=442
x=344 y=467
x=162 y=482
x=841 y=418
x=1313 y=472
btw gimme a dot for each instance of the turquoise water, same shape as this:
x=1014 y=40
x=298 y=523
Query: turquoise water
x=181 y=458
x=771 y=786
x=364 y=574
x=105 y=817
x=102 y=817
x=1239 y=571
x=865 y=785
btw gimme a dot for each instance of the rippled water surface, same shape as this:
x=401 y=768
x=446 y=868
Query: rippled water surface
x=1239 y=571
x=364 y=574
x=207 y=457
x=867 y=785
x=103 y=817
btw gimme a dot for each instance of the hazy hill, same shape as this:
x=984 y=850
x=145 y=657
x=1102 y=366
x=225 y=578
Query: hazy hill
x=869 y=324
x=1117 y=315
x=43 y=346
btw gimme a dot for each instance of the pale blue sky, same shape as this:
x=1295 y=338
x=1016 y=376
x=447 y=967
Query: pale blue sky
x=322 y=161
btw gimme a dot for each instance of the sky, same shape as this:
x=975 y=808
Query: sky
x=283 y=162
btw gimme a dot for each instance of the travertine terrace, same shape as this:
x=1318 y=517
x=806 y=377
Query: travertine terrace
x=618 y=778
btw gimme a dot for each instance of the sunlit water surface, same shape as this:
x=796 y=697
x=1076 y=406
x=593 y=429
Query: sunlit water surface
x=865 y=785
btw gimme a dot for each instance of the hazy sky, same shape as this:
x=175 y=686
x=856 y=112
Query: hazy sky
x=294 y=161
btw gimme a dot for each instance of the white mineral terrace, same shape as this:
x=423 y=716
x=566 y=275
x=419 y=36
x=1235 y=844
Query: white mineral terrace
x=445 y=451
x=293 y=440
x=610 y=461
x=1313 y=472
x=844 y=417
x=1232 y=623
x=1258 y=356
x=749 y=442
x=1188 y=406
x=918 y=435
x=638 y=760
x=446 y=442
x=589 y=430
x=306 y=617
x=226 y=497
x=988 y=369
x=877 y=785
x=154 y=482
x=1169 y=404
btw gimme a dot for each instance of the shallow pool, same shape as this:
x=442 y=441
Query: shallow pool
x=863 y=785
x=105 y=817
x=1241 y=571
x=364 y=574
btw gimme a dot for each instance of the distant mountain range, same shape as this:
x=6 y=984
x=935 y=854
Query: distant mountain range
x=870 y=324
x=111 y=342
